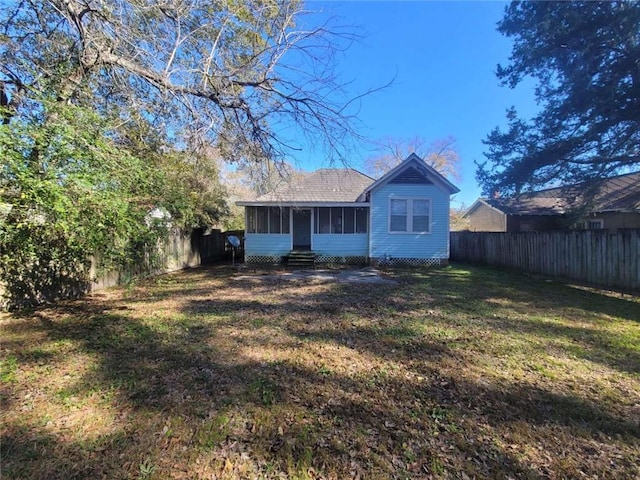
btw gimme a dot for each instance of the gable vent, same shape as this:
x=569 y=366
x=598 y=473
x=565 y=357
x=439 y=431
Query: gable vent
x=411 y=176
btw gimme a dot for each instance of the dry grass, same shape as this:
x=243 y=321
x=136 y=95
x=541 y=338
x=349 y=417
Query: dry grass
x=453 y=373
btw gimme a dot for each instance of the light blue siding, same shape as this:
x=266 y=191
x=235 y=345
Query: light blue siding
x=409 y=245
x=260 y=244
x=378 y=243
x=347 y=245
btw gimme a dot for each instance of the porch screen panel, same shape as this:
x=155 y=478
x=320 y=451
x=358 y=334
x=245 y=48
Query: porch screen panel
x=262 y=220
x=362 y=217
x=349 y=220
x=274 y=220
x=336 y=220
x=285 y=219
x=316 y=220
x=324 y=225
x=251 y=219
x=340 y=220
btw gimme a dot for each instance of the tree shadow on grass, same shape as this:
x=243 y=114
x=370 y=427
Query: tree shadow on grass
x=36 y=453
x=181 y=375
x=515 y=303
x=178 y=376
x=504 y=403
x=462 y=282
x=468 y=304
x=404 y=343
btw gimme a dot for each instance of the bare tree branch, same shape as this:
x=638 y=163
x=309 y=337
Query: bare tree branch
x=441 y=154
x=228 y=71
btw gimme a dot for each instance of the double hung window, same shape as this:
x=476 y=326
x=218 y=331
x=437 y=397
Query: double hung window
x=409 y=215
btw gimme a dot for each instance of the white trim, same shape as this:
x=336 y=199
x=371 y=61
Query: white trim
x=410 y=200
x=433 y=174
x=369 y=230
x=448 y=228
x=302 y=204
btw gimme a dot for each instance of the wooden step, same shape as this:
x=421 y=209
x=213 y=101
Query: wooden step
x=301 y=259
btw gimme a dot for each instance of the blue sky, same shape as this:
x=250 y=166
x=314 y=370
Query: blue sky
x=444 y=56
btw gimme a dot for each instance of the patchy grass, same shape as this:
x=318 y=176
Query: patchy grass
x=453 y=373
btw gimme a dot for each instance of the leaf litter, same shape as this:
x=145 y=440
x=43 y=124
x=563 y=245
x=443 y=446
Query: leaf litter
x=455 y=372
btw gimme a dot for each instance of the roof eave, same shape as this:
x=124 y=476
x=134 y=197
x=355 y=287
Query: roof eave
x=615 y=210
x=290 y=203
x=437 y=176
x=477 y=204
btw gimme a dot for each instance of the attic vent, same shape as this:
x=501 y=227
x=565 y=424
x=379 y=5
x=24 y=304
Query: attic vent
x=411 y=176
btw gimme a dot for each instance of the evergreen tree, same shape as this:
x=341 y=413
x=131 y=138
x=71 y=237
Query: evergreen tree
x=585 y=57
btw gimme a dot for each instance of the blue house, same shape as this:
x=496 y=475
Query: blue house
x=344 y=216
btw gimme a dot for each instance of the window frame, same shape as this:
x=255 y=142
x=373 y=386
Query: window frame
x=591 y=222
x=410 y=215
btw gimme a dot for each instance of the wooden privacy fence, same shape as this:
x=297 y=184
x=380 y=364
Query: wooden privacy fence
x=597 y=257
x=179 y=250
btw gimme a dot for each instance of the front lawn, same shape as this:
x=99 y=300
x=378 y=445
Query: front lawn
x=455 y=372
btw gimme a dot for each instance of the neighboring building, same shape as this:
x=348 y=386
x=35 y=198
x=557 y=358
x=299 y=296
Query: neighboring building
x=615 y=203
x=343 y=215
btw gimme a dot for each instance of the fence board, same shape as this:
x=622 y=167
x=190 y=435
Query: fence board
x=178 y=251
x=597 y=257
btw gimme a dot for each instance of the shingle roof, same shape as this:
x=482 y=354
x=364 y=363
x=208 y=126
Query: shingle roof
x=621 y=193
x=324 y=185
x=528 y=205
x=344 y=185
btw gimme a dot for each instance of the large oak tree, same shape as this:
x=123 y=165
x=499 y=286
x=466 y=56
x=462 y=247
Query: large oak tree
x=237 y=74
x=111 y=108
x=585 y=57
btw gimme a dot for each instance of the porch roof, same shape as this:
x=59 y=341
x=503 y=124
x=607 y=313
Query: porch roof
x=325 y=186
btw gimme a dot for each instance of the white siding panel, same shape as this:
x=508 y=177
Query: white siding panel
x=409 y=245
x=347 y=245
x=256 y=244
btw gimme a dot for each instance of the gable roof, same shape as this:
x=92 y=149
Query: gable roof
x=327 y=185
x=347 y=185
x=615 y=194
x=413 y=161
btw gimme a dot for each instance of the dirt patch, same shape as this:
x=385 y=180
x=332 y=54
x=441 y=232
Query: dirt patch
x=367 y=276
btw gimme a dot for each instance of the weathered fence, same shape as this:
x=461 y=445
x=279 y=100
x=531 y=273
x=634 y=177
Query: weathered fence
x=597 y=257
x=179 y=250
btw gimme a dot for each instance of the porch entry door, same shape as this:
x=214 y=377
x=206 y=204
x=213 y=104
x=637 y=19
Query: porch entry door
x=301 y=229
